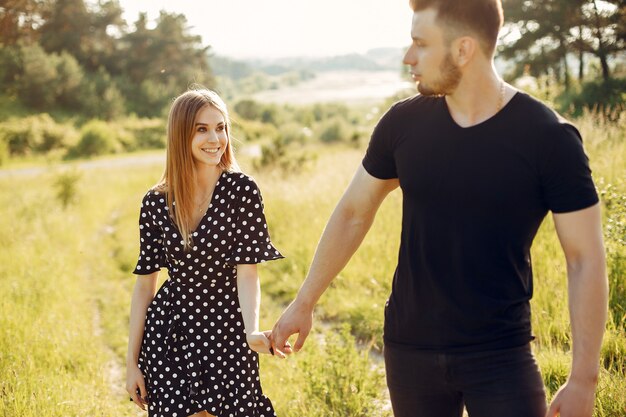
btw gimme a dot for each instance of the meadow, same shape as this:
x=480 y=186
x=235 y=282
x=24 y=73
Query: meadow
x=69 y=241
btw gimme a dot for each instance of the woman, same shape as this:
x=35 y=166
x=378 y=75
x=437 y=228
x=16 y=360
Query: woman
x=192 y=348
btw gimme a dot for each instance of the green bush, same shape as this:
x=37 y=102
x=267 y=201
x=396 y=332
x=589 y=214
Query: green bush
x=605 y=97
x=251 y=130
x=35 y=134
x=147 y=133
x=334 y=130
x=4 y=152
x=95 y=139
x=54 y=135
x=294 y=133
x=66 y=184
x=248 y=109
x=18 y=137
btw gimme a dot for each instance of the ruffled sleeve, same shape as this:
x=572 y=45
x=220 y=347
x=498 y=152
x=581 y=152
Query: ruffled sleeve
x=151 y=250
x=252 y=238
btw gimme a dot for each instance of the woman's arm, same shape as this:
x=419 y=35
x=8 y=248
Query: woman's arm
x=145 y=287
x=249 y=290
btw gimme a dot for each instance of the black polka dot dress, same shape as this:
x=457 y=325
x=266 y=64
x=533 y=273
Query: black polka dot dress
x=194 y=354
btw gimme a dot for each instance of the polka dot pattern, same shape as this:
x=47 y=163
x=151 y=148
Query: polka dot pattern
x=194 y=354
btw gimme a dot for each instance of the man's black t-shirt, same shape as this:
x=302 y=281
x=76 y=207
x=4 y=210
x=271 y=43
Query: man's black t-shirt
x=473 y=199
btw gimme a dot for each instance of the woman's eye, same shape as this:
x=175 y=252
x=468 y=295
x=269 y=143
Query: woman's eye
x=202 y=129
x=220 y=128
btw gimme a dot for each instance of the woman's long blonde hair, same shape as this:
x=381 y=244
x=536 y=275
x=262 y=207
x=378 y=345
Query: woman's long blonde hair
x=179 y=178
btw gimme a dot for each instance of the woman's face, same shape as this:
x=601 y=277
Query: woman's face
x=209 y=138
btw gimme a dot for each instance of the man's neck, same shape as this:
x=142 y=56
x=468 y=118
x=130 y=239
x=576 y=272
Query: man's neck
x=480 y=95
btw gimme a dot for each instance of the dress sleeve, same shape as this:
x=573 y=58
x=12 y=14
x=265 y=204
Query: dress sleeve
x=252 y=238
x=567 y=182
x=150 y=241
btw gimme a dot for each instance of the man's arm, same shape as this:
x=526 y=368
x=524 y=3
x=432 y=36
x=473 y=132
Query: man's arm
x=342 y=236
x=580 y=234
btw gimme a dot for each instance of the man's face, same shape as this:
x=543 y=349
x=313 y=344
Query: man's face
x=431 y=64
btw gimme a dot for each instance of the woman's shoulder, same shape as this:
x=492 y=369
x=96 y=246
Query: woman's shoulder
x=154 y=196
x=241 y=182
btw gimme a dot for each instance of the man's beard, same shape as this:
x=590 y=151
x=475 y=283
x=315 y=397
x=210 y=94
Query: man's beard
x=448 y=81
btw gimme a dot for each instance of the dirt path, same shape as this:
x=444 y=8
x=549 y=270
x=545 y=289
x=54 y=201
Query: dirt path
x=112 y=162
x=118 y=161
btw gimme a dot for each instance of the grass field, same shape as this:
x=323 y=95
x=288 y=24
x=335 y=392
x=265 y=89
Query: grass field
x=69 y=242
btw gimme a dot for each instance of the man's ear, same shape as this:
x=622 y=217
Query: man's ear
x=464 y=49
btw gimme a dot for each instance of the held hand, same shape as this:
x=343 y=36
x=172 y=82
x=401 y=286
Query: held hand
x=295 y=319
x=574 y=399
x=260 y=342
x=134 y=382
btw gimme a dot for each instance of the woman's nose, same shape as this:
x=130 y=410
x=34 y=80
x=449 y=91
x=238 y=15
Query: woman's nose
x=212 y=137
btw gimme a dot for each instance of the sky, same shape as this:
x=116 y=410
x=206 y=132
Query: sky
x=282 y=28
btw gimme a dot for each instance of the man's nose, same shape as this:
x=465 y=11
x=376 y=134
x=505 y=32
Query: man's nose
x=410 y=57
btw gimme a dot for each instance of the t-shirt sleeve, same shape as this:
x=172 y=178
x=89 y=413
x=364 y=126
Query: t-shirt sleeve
x=252 y=238
x=150 y=241
x=567 y=184
x=379 y=160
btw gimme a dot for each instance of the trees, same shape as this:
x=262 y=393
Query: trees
x=551 y=30
x=73 y=55
x=157 y=64
x=20 y=21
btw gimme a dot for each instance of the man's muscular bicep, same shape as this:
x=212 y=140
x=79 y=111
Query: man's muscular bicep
x=366 y=193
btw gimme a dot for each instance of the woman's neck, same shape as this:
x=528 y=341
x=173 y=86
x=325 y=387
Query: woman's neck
x=206 y=176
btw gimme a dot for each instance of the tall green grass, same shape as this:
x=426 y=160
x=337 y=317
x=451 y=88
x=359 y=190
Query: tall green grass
x=65 y=278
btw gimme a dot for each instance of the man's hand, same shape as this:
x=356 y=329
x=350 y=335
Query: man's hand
x=574 y=399
x=297 y=318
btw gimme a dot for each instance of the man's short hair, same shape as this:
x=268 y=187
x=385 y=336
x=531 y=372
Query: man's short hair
x=482 y=18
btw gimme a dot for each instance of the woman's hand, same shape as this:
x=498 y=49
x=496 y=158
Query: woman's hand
x=260 y=342
x=134 y=382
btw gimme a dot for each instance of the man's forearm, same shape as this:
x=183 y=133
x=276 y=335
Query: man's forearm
x=341 y=238
x=588 y=298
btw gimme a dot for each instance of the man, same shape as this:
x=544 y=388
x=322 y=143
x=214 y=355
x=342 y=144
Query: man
x=479 y=165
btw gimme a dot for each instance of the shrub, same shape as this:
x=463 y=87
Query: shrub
x=53 y=135
x=35 y=134
x=95 y=139
x=294 y=133
x=66 y=184
x=605 y=97
x=250 y=130
x=279 y=154
x=248 y=109
x=18 y=137
x=147 y=133
x=4 y=152
x=334 y=130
